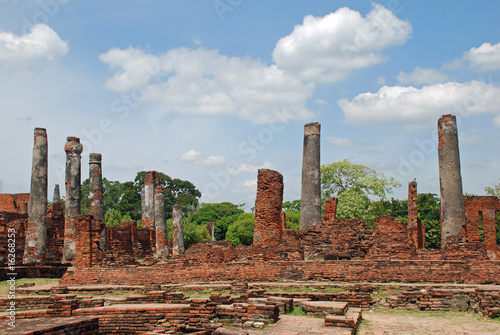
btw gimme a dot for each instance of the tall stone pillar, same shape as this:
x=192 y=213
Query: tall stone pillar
x=412 y=212
x=148 y=199
x=268 y=205
x=450 y=180
x=177 y=232
x=310 y=207
x=36 y=228
x=57 y=194
x=160 y=223
x=96 y=193
x=73 y=150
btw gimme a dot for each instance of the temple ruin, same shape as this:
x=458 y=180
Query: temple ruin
x=83 y=251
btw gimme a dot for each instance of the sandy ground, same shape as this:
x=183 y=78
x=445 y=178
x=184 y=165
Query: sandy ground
x=421 y=323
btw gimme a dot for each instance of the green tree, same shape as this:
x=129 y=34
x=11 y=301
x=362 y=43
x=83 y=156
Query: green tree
x=495 y=190
x=293 y=205
x=223 y=214
x=194 y=233
x=115 y=218
x=292 y=218
x=292 y=214
x=177 y=192
x=342 y=176
x=352 y=184
x=241 y=230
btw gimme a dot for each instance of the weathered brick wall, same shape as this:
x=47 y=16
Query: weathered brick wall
x=391 y=240
x=487 y=206
x=339 y=238
x=330 y=211
x=17 y=222
x=463 y=271
x=87 y=241
x=268 y=206
x=55 y=233
x=15 y=203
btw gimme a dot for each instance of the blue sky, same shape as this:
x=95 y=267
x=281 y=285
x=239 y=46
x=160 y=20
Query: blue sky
x=210 y=91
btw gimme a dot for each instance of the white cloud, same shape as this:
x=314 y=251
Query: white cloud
x=213 y=160
x=249 y=168
x=410 y=104
x=422 y=76
x=321 y=102
x=20 y=52
x=191 y=155
x=496 y=121
x=340 y=141
x=484 y=58
x=328 y=48
x=203 y=81
x=250 y=183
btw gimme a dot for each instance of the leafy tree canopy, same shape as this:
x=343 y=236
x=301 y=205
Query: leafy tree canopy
x=495 y=190
x=339 y=177
x=223 y=214
x=241 y=230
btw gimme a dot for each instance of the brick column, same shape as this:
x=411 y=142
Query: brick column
x=36 y=228
x=160 y=223
x=310 y=207
x=268 y=206
x=96 y=193
x=330 y=211
x=148 y=199
x=73 y=150
x=450 y=180
x=413 y=231
x=177 y=232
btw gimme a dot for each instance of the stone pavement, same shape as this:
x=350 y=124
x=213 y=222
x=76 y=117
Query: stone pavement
x=295 y=325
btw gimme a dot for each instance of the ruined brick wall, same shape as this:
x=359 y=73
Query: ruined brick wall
x=487 y=206
x=9 y=220
x=268 y=206
x=147 y=241
x=391 y=240
x=55 y=233
x=336 y=239
x=87 y=241
x=464 y=271
x=414 y=229
x=14 y=203
x=121 y=244
x=330 y=211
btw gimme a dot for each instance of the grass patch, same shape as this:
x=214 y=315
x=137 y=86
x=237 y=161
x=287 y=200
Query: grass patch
x=5 y=285
x=297 y=311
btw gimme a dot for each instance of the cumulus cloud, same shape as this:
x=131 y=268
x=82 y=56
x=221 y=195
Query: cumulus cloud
x=340 y=141
x=21 y=52
x=205 y=82
x=496 y=121
x=328 y=48
x=249 y=168
x=191 y=155
x=213 y=160
x=422 y=76
x=414 y=105
x=484 y=58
